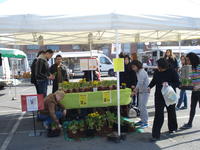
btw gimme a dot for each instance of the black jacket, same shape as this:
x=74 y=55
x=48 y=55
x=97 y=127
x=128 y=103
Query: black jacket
x=128 y=76
x=41 y=69
x=170 y=76
x=65 y=76
x=172 y=63
x=33 y=79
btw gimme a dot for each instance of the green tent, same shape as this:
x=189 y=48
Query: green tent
x=12 y=53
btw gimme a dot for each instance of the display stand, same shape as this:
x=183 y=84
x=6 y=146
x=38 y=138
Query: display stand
x=34 y=132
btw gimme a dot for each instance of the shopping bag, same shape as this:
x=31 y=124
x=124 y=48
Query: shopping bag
x=169 y=95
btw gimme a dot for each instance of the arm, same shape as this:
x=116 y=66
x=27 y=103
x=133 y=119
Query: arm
x=38 y=69
x=133 y=78
x=140 y=81
x=51 y=107
x=153 y=81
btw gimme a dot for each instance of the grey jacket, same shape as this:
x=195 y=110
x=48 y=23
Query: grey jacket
x=143 y=81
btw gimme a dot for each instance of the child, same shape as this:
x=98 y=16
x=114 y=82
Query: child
x=142 y=89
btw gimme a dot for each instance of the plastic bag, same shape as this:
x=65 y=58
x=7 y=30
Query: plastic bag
x=169 y=95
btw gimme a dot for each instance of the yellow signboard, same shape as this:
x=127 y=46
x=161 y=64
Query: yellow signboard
x=83 y=99
x=106 y=97
x=118 y=64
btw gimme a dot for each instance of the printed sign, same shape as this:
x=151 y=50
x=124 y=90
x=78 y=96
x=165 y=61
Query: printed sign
x=88 y=64
x=32 y=102
x=106 y=97
x=118 y=64
x=83 y=99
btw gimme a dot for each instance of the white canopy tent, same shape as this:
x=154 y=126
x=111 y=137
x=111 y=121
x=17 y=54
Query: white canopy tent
x=121 y=22
x=25 y=22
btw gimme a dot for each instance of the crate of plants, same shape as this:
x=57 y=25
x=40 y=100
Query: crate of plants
x=84 y=86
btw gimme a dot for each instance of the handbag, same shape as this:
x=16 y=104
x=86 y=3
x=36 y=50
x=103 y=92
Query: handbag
x=169 y=95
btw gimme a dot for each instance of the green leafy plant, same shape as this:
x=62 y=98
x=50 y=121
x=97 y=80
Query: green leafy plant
x=73 y=126
x=111 y=118
x=81 y=125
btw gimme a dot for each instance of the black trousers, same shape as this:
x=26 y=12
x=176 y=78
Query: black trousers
x=195 y=98
x=159 y=117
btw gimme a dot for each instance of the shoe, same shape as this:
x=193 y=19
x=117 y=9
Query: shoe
x=183 y=108
x=186 y=126
x=144 y=125
x=153 y=139
x=170 y=133
x=139 y=123
x=177 y=108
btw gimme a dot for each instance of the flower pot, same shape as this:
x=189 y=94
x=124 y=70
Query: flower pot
x=90 y=132
x=114 y=87
x=100 y=88
x=81 y=90
x=72 y=134
x=94 y=89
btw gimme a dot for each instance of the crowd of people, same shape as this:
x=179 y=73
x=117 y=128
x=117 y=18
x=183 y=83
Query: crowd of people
x=168 y=73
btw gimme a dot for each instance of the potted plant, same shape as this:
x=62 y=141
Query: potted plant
x=111 y=119
x=81 y=125
x=99 y=124
x=95 y=84
x=90 y=123
x=72 y=129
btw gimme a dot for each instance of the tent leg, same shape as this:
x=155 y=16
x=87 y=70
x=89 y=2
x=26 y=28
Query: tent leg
x=118 y=84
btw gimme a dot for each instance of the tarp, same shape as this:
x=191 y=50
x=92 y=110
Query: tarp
x=12 y=53
x=170 y=20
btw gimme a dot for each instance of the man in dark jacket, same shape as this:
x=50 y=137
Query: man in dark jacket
x=33 y=79
x=42 y=73
x=59 y=71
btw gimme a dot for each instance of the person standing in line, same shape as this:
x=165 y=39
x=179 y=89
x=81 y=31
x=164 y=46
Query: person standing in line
x=183 y=95
x=171 y=59
x=33 y=79
x=59 y=71
x=42 y=73
x=142 y=89
x=164 y=75
x=193 y=59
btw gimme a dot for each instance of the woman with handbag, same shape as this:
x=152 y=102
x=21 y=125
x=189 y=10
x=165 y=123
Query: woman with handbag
x=164 y=75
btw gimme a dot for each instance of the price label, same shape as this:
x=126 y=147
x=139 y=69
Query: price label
x=83 y=99
x=106 y=97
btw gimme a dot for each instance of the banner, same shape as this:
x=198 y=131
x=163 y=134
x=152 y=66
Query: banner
x=88 y=64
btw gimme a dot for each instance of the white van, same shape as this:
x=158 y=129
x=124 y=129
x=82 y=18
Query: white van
x=72 y=61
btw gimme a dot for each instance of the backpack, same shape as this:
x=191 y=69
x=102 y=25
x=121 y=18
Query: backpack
x=33 y=80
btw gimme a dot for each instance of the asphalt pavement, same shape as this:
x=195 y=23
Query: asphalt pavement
x=16 y=126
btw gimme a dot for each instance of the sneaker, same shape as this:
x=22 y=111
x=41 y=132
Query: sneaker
x=186 y=126
x=177 y=108
x=139 y=123
x=183 y=108
x=144 y=125
x=170 y=133
x=153 y=139
x=45 y=124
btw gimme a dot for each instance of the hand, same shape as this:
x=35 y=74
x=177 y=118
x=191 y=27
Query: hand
x=149 y=89
x=196 y=88
x=51 y=77
x=165 y=84
x=132 y=87
x=136 y=91
x=64 y=113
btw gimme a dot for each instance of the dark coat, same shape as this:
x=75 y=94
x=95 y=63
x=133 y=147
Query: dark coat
x=173 y=63
x=65 y=75
x=128 y=76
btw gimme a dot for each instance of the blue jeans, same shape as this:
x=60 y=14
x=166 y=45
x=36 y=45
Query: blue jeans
x=48 y=119
x=182 y=99
x=42 y=87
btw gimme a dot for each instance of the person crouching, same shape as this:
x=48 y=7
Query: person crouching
x=53 y=110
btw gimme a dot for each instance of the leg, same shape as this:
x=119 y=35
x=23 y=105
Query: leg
x=143 y=99
x=181 y=98
x=185 y=100
x=158 y=118
x=194 y=100
x=172 y=121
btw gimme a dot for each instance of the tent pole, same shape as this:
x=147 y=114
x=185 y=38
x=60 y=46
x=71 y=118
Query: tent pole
x=179 y=44
x=90 y=36
x=118 y=86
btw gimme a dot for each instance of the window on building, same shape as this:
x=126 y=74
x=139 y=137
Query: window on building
x=76 y=47
x=33 y=47
x=127 y=48
x=53 y=47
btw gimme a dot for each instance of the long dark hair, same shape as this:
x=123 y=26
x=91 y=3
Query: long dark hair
x=194 y=59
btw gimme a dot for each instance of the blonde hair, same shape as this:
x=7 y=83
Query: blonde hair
x=60 y=93
x=171 y=54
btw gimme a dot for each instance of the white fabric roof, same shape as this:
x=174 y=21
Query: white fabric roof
x=74 y=27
